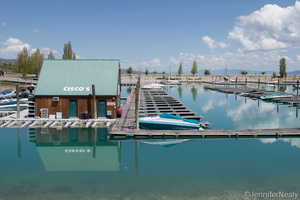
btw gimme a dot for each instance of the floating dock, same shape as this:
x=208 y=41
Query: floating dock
x=293 y=100
x=156 y=101
x=55 y=123
x=248 y=133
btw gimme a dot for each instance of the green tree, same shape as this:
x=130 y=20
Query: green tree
x=35 y=62
x=68 y=52
x=194 y=68
x=282 y=68
x=146 y=72
x=206 y=72
x=263 y=73
x=23 y=61
x=129 y=70
x=244 y=72
x=180 y=70
x=51 y=56
x=274 y=75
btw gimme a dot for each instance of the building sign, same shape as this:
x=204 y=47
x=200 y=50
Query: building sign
x=81 y=150
x=76 y=89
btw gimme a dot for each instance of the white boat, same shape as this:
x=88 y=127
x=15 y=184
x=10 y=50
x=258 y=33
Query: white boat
x=153 y=86
x=167 y=142
x=12 y=105
x=168 y=122
x=171 y=82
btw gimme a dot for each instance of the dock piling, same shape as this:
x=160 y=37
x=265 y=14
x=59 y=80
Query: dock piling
x=18 y=99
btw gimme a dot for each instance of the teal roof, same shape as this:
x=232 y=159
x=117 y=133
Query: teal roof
x=75 y=77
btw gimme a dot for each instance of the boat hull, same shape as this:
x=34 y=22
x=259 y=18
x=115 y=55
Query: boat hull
x=161 y=126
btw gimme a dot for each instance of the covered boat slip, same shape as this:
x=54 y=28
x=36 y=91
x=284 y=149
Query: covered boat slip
x=65 y=88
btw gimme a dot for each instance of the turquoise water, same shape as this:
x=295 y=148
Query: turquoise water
x=84 y=164
x=227 y=111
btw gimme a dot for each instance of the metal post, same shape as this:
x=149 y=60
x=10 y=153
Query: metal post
x=297 y=87
x=18 y=99
x=137 y=101
x=95 y=142
x=94 y=102
x=258 y=82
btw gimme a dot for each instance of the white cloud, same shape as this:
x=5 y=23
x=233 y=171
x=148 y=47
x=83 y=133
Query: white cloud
x=266 y=60
x=46 y=51
x=271 y=27
x=35 y=30
x=213 y=103
x=11 y=47
x=211 y=43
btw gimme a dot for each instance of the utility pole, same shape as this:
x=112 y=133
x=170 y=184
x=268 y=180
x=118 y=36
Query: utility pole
x=94 y=102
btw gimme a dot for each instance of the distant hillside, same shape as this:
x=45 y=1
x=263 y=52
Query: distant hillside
x=294 y=72
x=8 y=65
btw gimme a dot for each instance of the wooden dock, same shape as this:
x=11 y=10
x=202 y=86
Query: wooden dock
x=156 y=101
x=293 y=100
x=165 y=134
x=17 y=80
x=55 y=123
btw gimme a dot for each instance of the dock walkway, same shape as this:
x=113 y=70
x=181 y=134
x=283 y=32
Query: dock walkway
x=55 y=123
x=156 y=101
x=253 y=93
x=165 y=134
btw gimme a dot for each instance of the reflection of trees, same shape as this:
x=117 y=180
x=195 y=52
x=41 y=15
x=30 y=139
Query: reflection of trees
x=282 y=88
x=128 y=90
x=179 y=90
x=194 y=92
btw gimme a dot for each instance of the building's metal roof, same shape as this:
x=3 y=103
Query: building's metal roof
x=75 y=77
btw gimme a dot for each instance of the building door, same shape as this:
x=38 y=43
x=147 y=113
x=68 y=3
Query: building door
x=73 y=112
x=101 y=108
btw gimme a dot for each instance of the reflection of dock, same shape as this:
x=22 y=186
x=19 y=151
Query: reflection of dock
x=248 y=133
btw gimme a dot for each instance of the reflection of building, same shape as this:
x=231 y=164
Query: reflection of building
x=76 y=149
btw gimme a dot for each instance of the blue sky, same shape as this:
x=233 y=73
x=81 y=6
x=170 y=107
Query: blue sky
x=157 y=34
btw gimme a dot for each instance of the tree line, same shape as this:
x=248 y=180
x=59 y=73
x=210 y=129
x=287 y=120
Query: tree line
x=194 y=70
x=31 y=63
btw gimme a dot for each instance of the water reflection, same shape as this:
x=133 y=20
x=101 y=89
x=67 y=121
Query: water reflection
x=76 y=149
x=194 y=92
x=282 y=88
x=179 y=90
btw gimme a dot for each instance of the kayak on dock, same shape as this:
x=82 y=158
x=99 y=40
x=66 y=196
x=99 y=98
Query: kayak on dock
x=12 y=105
x=7 y=93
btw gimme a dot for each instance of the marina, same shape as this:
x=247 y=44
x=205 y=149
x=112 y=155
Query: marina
x=256 y=93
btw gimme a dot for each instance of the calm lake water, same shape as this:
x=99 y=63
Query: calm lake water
x=83 y=164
